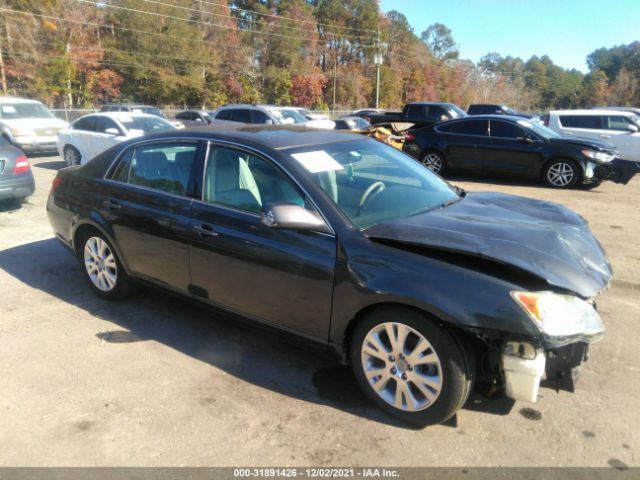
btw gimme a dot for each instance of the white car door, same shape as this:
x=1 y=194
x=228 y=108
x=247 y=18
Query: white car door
x=80 y=136
x=108 y=133
x=619 y=132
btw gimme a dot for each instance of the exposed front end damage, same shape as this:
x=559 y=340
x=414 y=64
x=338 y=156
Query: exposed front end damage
x=617 y=171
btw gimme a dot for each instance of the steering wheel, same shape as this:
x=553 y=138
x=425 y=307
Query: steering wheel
x=368 y=194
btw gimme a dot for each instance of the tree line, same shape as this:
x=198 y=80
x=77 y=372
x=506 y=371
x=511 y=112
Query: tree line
x=319 y=54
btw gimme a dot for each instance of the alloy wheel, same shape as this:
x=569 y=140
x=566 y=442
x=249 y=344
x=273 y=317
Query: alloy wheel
x=401 y=366
x=432 y=161
x=560 y=174
x=71 y=156
x=100 y=264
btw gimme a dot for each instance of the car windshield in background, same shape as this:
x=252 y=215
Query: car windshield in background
x=287 y=116
x=455 y=111
x=539 y=129
x=146 y=124
x=24 y=110
x=373 y=183
x=150 y=111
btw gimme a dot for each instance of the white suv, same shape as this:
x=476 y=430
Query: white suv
x=613 y=126
x=29 y=125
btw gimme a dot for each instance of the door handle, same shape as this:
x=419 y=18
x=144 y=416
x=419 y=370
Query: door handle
x=205 y=230
x=111 y=205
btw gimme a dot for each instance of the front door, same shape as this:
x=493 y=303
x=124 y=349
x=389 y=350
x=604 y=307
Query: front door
x=282 y=277
x=509 y=152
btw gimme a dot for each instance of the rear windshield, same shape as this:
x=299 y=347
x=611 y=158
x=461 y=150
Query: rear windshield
x=24 y=110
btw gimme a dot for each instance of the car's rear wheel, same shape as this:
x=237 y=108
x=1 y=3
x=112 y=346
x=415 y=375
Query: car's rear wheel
x=102 y=267
x=72 y=156
x=410 y=366
x=434 y=161
x=561 y=173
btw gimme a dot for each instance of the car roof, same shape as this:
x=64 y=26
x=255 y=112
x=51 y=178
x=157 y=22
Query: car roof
x=470 y=118
x=430 y=103
x=121 y=115
x=276 y=137
x=131 y=105
x=17 y=100
x=595 y=111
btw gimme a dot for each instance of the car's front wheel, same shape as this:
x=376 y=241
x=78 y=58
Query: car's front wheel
x=72 y=156
x=434 y=161
x=102 y=267
x=410 y=366
x=561 y=173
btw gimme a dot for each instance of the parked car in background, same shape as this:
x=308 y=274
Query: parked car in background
x=420 y=114
x=349 y=244
x=29 y=125
x=133 y=108
x=16 y=178
x=623 y=109
x=312 y=116
x=496 y=109
x=516 y=147
x=93 y=134
x=620 y=128
x=352 y=123
x=366 y=112
x=191 y=118
x=269 y=115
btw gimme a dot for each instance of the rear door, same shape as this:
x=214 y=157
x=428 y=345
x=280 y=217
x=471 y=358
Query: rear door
x=147 y=203
x=82 y=134
x=586 y=126
x=282 y=277
x=466 y=144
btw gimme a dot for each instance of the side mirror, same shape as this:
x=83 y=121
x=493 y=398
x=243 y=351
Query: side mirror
x=632 y=128
x=292 y=217
x=525 y=140
x=269 y=122
x=112 y=131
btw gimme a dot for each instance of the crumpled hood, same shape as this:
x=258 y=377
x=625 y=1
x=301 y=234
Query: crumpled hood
x=545 y=239
x=585 y=142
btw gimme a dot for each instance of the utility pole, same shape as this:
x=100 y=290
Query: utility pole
x=335 y=79
x=3 y=76
x=378 y=61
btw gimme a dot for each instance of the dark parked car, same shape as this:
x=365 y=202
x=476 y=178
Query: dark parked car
x=16 y=178
x=505 y=145
x=496 y=109
x=352 y=123
x=420 y=114
x=349 y=244
x=192 y=118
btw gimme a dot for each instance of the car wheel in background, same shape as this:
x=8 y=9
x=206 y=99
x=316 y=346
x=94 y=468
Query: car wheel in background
x=102 y=267
x=561 y=173
x=71 y=156
x=434 y=161
x=410 y=366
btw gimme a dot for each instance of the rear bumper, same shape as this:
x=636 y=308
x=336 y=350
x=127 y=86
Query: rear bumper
x=18 y=186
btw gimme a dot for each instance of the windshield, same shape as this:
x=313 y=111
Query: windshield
x=373 y=183
x=539 y=129
x=146 y=124
x=24 y=110
x=455 y=111
x=288 y=116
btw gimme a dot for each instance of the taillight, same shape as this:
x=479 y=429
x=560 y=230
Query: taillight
x=22 y=165
x=409 y=137
x=55 y=184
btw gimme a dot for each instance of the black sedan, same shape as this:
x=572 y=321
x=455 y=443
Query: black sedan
x=513 y=146
x=349 y=244
x=16 y=178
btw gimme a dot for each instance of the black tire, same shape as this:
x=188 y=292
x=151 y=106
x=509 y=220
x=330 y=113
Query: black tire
x=71 y=155
x=434 y=161
x=121 y=287
x=455 y=367
x=561 y=173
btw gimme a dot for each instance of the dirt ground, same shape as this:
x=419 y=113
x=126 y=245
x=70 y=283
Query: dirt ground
x=155 y=381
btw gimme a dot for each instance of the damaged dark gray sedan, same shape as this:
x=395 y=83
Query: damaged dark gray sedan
x=351 y=244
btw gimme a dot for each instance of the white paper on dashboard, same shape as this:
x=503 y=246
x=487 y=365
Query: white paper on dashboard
x=318 y=161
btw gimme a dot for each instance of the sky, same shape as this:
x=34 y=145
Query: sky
x=565 y=30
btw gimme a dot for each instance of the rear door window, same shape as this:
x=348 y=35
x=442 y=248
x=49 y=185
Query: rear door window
x=86 y=124
x=468 y=127
x=593 y=122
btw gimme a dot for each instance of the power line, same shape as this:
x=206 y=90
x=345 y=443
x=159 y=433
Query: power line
x=233 y=7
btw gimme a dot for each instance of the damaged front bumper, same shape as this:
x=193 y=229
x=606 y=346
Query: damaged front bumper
x=526 y=368
x=617 y=171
